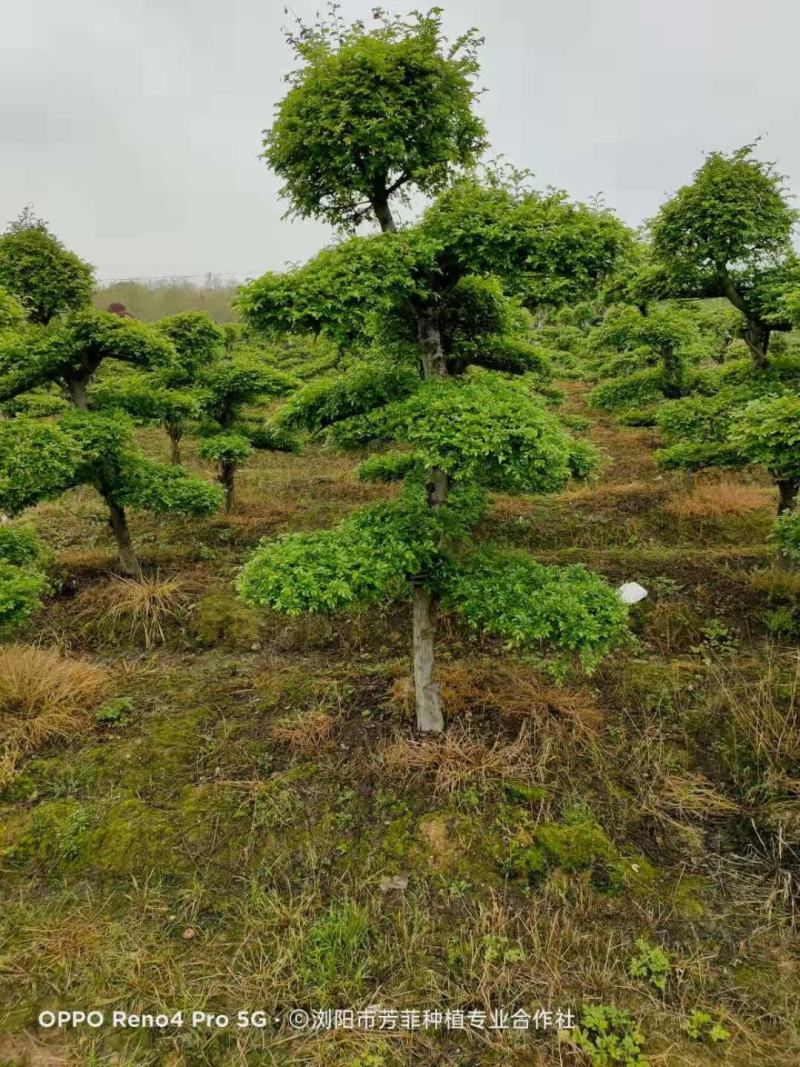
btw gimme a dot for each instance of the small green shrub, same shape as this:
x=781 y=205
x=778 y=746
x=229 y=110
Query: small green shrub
x=610 y=1036
x=650 y=963
x=700 y=1026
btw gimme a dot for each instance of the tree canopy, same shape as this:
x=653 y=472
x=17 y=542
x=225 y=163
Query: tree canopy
x=729 y=233
x=374 y=112
x=36 y=268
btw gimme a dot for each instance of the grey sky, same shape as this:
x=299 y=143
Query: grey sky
x=133 y=126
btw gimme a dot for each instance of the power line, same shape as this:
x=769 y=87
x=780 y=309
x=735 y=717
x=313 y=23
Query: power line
x=182 y=277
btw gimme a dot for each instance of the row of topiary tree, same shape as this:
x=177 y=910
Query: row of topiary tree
x=441 y=369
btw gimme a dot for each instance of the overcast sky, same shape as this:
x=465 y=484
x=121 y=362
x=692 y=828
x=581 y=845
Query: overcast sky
x=134 y=126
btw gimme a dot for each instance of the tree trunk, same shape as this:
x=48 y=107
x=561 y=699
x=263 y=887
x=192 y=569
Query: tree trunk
x=428 y=699
x=383 y=214
x=756 y=333
x=430 y=718
x=672 y=365
x=787 y=495
x=122 y=535
x=77 y=393
x=756 y=336
x=174 y=444
x=226 y=472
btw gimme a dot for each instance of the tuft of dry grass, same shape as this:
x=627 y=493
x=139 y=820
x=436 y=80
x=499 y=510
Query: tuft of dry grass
x=458 y=758
x=304 y=733
x=513 y=691
x=719 y=498
x=43 y=696
x=143 y=607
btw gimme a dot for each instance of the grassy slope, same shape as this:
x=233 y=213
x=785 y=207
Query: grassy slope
x=222 y=846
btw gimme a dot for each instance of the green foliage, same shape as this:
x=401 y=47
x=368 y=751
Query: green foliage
x=700 y=1026
x=371 y=112
x=767 y=431
x=650 y=963
x=360 y=389
x=787 y=535
x=335 y=949
x=488 y=429
x=116 y=712
x=729 y=234
x=244 y=378
x=22 y=583
x=12 y=314
x=19 y=546
x=196 y=339
x=635 y=390
x=45 y=277
x=37 y=462
x=340 y=292
x=545 y=249
x=389 y=467
x=369 y=555
x=161 y=489
x=72 y=352
x=273 y=437
x=511 y=596
x=734 y=216
x=230 y=448
x=609 y=1036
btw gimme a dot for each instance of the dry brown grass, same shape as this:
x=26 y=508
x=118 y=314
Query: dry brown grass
x=142 y=607
x=719 y=498
x=43 y=696
x=513 y=691
x=304 y=733
x=458 y=758
x=765 y=715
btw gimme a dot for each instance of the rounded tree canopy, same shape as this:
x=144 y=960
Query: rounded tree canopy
x=373 y=112
x=767 y=431
x=35 y=267
x=733 y=218
x=196 y=338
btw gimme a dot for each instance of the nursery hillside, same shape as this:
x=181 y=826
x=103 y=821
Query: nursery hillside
x=215 y=809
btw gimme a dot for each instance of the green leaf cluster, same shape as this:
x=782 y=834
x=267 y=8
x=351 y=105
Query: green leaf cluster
x=373 y=111
x=767 y=431
x=45 y=277
x=786 y=535
x=22 y=582
x=509 y=595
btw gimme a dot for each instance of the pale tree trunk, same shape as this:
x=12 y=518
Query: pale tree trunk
x=118 y=522
x=430 y=718
x=428 y=698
